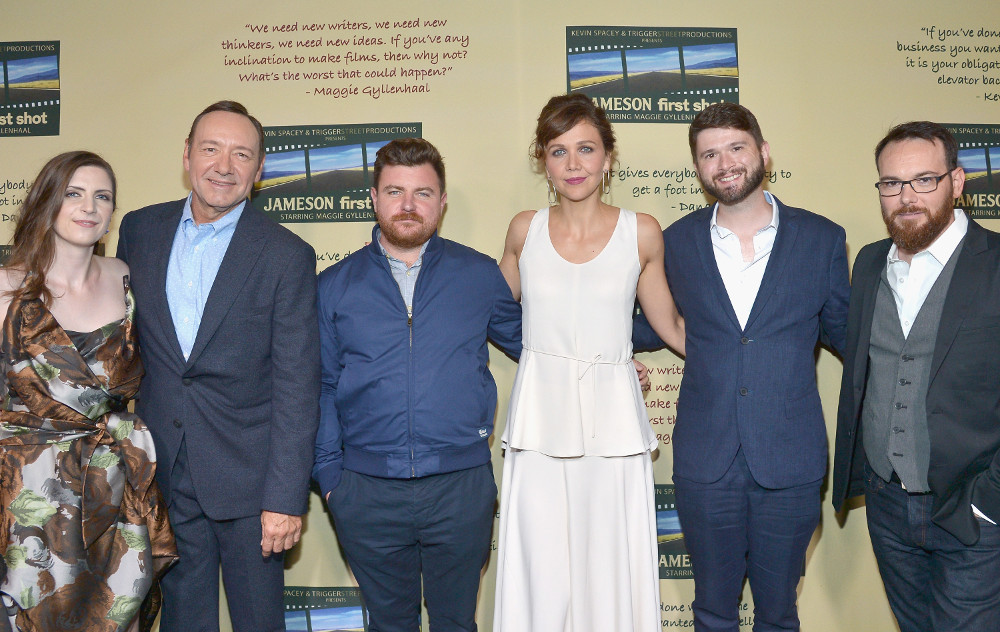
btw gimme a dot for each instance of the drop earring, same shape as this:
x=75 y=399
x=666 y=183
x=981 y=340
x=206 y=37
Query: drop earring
x=553 y=197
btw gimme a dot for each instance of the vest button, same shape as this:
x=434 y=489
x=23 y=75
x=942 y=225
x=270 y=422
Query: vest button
x=744 y=391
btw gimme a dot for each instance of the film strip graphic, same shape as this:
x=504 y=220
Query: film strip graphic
x=323 y=173
x=652 y=74
x=979 y=157
x=30 y=92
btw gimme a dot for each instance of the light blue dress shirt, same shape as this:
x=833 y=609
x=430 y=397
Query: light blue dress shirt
x=195 y=258
x=406 y=278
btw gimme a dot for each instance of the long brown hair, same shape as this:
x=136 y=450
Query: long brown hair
x=33 y=246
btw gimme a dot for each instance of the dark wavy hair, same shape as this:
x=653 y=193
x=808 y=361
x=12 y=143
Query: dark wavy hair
x=33 y=244
x=560 y=115
x=408 y=152
x=724 y=115
x=923 y=130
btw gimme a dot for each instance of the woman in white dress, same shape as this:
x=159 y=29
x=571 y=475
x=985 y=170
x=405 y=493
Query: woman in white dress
x=577 y=547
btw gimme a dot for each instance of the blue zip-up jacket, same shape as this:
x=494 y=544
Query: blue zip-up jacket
x=405 y=397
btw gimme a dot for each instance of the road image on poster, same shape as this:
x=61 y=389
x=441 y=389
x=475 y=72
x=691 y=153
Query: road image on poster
x=652 y=74
x=673 y=557
x=979 y=156
x=323 y=173
x=29 y=96
x=335 y=609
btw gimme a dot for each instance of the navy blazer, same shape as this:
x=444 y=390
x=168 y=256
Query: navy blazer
x=755 y=388
x=246 y=401
x=963 y=395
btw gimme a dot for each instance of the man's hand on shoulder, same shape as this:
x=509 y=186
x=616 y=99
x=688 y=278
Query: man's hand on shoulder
x=280 y=532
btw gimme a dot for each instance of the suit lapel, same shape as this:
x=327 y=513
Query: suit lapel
x=706 y=252
x=866 y=283
x=161 y=243
x=962 y=292
x=242 y=254
x=788 y=228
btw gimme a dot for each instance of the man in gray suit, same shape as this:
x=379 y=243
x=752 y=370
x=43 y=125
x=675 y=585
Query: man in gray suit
x=227 y=325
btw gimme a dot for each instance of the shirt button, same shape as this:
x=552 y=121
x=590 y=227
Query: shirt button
x=744 y=391
x=186 y=319
x=190 y=283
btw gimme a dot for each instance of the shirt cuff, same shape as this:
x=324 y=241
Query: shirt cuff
x=980 y=514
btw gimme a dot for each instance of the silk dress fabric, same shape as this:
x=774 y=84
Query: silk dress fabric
x=83 y=528
x=577 y=549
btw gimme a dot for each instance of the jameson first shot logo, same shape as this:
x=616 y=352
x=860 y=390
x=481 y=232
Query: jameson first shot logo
x=29 y=100
x=323 y=173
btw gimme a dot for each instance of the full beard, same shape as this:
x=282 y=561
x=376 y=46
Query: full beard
x=406 y=239
x=752 y=179
x=913 y=237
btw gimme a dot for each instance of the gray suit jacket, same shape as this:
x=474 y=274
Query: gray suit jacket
x=246 y=401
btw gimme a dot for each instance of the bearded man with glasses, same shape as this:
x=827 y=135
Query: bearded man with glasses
x=919 y=421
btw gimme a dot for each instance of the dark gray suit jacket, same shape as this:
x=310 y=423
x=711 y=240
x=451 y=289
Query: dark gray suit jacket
x=963 y=396
x=246 y=402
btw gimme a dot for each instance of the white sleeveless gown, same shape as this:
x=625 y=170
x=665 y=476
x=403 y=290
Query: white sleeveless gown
x=577 y=549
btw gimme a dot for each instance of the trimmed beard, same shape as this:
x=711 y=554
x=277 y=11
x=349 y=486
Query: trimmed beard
x=754 y=177
x=916 y=238
x=405 y=240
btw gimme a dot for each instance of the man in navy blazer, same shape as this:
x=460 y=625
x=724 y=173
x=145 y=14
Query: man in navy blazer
x=918 y=429
x=230 y=342
x=759 y=284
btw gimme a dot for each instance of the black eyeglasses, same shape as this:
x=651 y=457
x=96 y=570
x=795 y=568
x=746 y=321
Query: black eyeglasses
x=923 y=184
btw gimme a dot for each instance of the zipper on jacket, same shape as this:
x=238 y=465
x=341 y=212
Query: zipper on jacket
x=409 y=324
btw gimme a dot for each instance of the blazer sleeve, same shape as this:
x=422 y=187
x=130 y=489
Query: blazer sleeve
x=294 y=384
x=328 y=458
x=833 y=316
x=121 y=251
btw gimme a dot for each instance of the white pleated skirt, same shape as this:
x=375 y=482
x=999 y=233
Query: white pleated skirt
x=577 y=550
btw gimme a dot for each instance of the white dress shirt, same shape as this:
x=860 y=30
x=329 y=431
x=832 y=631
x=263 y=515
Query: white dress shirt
x=742 y=278
x=912 y=282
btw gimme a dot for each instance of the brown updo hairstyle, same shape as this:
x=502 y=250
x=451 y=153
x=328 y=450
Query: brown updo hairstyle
x=560 y=115
x=33 y=244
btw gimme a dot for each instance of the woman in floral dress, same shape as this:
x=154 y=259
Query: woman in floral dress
x=83 y=529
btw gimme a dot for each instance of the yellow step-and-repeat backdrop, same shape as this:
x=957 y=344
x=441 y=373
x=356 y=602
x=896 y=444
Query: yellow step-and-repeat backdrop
x=334 y=81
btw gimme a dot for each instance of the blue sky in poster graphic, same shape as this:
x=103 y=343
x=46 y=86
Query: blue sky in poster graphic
x=973 y=160
x=346 y=618
x=296 y=621
x=710 y=56
x=586 y=65
x=32 y=69
x=285 y=163
x=334 y=158
x=995 y=159
x=372 y=148
x=667 y=522
x=652 y=60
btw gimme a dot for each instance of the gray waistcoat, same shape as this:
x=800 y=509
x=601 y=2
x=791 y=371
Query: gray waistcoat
x=894 y=413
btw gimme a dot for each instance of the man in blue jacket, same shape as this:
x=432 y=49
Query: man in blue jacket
x=407 y=401
x=759 y=284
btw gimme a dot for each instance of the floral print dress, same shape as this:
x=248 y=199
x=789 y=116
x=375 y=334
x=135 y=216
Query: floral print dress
x=83 y=528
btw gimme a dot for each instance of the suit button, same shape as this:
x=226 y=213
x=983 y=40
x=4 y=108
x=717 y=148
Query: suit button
x=186 y=381
x=177 y=423
x=744 y=340
x=744 y=391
